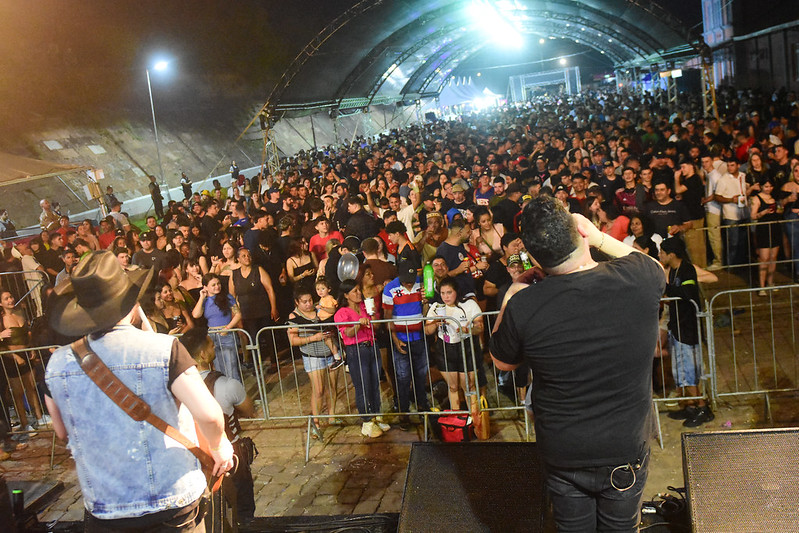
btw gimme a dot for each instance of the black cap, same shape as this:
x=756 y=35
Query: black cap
x=407 y=272
x=607 y=164
x=147 y=236
x=561 y=187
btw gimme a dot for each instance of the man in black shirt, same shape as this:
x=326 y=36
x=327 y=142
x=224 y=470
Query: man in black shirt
x=405 y=250
x=457 y=258
x=686 y=358
x=506 y=210
x=669 y=216
x=689 y=186
x=592 y=378
x=360 y=223
x=149 y=256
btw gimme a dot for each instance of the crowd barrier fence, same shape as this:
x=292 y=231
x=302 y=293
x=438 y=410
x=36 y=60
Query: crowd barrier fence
x=752 y=341
x=749 y=258
x=749 y=347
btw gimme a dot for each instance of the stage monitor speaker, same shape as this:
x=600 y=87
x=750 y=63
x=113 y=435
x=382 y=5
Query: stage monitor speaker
x=742 y=480
x=492 y=486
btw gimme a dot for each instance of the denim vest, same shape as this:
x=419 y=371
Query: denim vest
x=126 y=468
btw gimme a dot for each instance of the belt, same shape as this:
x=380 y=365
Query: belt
x=365 y=343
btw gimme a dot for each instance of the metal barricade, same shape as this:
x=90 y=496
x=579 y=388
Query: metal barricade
x=22 y=406
x=753 y=342
x=238 y=358
x=747 y=242
x=506 y=391
x=409 y=378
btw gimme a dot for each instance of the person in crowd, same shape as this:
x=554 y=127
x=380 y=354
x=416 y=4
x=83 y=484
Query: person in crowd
x=462 y=265
x=221 y=315
x=18 y=367
x=731 y=194
x=669 y=216
x=595 y=479
x=641 y=226
x=487 y=236
x=688 y=185
x=362 y=357
x=86 y=232
x=223 y=266
x=49 y=220
x=252 y=288
x=106 y=443
x=790 y=204
x=686 y=356
x=176 y=315
x=301 y=264
x=611 y=221
x=405 y=249
x=322 y=237
x=457 y=321
x=316 y=344
x=402 y=301
x=766 y=211
x=235 y=403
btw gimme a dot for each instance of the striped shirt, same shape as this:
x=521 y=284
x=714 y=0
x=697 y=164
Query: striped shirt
x=405 y=304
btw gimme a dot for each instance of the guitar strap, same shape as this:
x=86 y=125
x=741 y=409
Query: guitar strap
x=135 y=407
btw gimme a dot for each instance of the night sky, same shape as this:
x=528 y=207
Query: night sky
x=82 y=62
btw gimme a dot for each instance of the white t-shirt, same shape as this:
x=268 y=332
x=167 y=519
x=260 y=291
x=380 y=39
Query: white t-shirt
x=463 y=312
x=228 y=392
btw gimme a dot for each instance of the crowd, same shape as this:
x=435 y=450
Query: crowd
x=269 y=250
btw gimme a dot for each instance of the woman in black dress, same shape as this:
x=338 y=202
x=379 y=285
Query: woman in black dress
x=768 y=232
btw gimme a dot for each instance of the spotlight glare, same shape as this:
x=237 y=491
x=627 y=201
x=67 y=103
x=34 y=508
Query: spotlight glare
x=487 y=16
x=562 y=61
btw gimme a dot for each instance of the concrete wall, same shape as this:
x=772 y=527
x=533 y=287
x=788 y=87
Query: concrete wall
x=126 y=154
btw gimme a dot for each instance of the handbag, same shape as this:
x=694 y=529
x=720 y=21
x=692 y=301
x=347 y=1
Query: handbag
x=482 y=425
x=138 y=409
x=247 y=451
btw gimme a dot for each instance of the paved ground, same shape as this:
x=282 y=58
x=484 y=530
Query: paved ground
x=348 y=474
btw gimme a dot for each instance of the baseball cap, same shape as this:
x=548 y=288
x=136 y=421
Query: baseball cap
x=607 y=164
x=560 y=188
x=407 y=272
x=147 y=236
x=513 y=259
x=457 y=188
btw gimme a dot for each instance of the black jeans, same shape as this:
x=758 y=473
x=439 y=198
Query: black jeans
x=604 y=498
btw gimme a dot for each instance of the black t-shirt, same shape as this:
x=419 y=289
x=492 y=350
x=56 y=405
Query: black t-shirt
x=589 y=338
x=454 y=256
x=156 y=259
x=673 y=213
x=682 y=313
x=692 y=198
x=409 y=253
x=504 y=213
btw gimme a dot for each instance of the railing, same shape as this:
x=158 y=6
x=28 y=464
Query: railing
x=753 y=342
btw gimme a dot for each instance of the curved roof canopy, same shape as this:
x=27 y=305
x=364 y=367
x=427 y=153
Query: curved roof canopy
x=382 y=51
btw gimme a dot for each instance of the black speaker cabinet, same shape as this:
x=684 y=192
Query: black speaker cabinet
x=742 y=480
x=473 y=487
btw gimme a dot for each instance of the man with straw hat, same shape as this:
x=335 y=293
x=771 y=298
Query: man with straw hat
x=132 y=475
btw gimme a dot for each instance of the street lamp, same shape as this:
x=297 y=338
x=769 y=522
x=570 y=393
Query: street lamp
x=160 y=65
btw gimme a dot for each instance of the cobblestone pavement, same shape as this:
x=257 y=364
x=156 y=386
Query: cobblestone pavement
x=349 y=474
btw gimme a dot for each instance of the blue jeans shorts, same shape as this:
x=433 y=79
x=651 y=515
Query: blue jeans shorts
x=686 y=363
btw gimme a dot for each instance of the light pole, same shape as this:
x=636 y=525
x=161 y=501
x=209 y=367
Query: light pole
x=161 y=65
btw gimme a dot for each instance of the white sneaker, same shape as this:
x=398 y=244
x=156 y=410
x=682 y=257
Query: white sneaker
x=381 y=424
x=44 y=420
x=714 y=266
x=371 y=430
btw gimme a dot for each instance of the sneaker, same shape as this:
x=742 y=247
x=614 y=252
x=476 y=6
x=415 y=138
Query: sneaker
x=371 y=430
x=45 y=420
x=714 y=266
x=336 y=421
x=761 y=293
x=381 y=424
x=704 y=414
x=686 y=413
x=336 y=363
x=20 y=437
